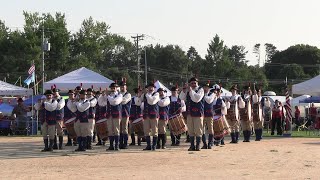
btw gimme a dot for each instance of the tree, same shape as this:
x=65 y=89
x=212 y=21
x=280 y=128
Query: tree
x=196 y=63
x=237 y=54
x=270 y=51
x=256 y=51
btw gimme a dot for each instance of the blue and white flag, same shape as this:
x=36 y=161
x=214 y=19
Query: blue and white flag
x=30 y=79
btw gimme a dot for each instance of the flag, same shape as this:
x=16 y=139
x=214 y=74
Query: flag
x=31 y=69
x=30 y=79
x=288 y=108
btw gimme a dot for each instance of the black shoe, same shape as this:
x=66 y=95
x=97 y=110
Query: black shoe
x=197 y=148
x=148 y=148
x=111 y=148
x=132 y=144
x=191 y=148
x=99 y=143
x=204 y=146
x=272 y=133
x=163 y=147
x=209 y=146
x=68 y=144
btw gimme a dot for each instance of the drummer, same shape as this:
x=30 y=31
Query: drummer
x=101 y=113
x=220 y=109
x=209 y=97
x=69 y=113
x=135 y=113
x=164 y=105
x=177 y=106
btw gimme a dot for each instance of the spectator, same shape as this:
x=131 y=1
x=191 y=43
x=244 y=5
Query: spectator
x=276 y=118
x=313 y=115
x=297 y=116
x=20 y=112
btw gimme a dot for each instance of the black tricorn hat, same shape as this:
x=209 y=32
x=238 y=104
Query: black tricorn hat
x=48 y=92
x=78 y=88
x=193 y=79
x=113 y=85
x=55 y=90
x=150 y=84
x=71 y=91
x=89 y=90
x=234 y=87
x=83 y=92
x=174 y=88
x=160 y=89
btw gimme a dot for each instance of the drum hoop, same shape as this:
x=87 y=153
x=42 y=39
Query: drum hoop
x=101 y=120
x=70 y=120
x=136 y=121
x=174 y=116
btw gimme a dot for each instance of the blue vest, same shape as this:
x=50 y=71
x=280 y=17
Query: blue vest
x=83 y=117
x=195 y=109
x=126 y=108
x=175 y=107
x=135 y=111
x=59 y=113
x=92 y=111
x=50 y=116
x=208 y=108
x=101 y=112
x=151 y=111
x=217 y=107
x=115 y=111
x=67 y=113
x=164 y=112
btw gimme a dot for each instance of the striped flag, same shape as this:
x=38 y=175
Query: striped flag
x=31 y=69
x=32 y=75
x=288 y=119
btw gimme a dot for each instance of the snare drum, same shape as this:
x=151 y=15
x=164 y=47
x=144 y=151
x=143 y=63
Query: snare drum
x=177 y=124
x=218 y=127
x=70 y=127
x=138 y=126
x=102 y=128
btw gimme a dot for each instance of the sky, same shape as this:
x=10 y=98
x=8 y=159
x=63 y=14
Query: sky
x=188 y=22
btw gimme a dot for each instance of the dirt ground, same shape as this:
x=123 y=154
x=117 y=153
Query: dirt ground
x=276 y=158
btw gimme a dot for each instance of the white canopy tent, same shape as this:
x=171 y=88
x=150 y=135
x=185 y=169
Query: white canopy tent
x=7 y=89
x=311 y=87
x=225 y=92
x=82 y=76
x=158 y=85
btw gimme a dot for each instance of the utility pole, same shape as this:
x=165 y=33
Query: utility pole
x=136 y=39
x=145 y=66
x=45 y=46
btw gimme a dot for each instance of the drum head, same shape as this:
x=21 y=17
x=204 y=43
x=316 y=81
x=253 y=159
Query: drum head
x=70 y=120
x=216 y=117
x=137 y=120
x=101 y=120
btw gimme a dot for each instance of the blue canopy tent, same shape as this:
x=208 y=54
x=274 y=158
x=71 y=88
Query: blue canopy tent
x=312 y=99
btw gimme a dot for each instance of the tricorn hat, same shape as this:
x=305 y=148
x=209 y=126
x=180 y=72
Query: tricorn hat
x=47 y=92
x=193 y=79
x=112 y=85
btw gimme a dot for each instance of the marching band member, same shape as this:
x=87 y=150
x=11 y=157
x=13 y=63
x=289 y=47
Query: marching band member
x=101 y=112
x=182 y=96
x=245 y=113
x=209 y=97
x=69 y=112
x=92 y=111
x=233 y=114
x=115 y=98
x=135 y=113
x=151 y=115
x=81 y=126
x=59 y=116
x=164 y=105
x=126 y=105
x=177 y=106
x=195 y=109
x=220 y=109
x=48 y=115
x=257 y=117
